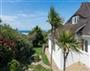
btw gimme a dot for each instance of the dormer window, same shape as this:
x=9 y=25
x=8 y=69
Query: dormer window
x=75 y=19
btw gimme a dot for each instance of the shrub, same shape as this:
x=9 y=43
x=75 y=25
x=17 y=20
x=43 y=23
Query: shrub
x=13 y=45
x=36 y=58
x=14 y=65
x=5 y=56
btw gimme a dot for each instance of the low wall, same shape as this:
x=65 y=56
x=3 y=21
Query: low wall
x=73 y=57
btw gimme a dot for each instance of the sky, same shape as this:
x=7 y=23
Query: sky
x=26 y=14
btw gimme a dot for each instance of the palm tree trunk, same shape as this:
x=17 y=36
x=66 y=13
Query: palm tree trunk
x=53 y=45
x=51 y=58
x=65 y=55
x=64 y=61
x=64 y=65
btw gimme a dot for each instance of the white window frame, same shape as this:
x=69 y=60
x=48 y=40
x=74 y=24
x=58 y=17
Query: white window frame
x=75 y=19
x=85 y=45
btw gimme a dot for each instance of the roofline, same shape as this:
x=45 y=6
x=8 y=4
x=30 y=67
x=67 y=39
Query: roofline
x=75 y=14
x=80 y=28
x=72 y=15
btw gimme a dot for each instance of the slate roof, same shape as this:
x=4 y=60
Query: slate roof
x=84 y=10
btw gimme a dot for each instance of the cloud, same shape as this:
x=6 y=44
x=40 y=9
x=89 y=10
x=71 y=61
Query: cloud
x=38 y=15
x=26 y=15
x=26 y=21
x=34 y=15
x=12 y=1
x=22 y=15
x=8 y=18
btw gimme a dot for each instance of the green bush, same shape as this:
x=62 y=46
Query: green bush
x=14 y=65
x=5 y=56
x=23 y=52
x=13 y=45
x=36 y=58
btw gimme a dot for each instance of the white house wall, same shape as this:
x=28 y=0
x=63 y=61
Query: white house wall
x=57 y=54
x=89 y=47
x=88 y=39
x=89 y=50
x=73 y=57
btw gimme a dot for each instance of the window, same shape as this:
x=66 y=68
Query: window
x=85 y=45
x=75 y=20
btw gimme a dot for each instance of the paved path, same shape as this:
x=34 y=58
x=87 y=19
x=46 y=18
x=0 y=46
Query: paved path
x=44 y=65
x=54 y=67
x=41 y=63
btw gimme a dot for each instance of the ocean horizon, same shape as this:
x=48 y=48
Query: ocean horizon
x=24 y=31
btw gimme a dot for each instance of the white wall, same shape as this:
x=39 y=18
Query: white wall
x=57 y=54
x=89 y=50
x=88 y=39
x=73 y=57
x=88 y=46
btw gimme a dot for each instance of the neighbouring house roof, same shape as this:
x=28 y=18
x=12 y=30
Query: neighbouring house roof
x=84 y=13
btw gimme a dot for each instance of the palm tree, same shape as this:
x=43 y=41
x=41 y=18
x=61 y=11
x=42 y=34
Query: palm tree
x=55 y=21
x=67 y=43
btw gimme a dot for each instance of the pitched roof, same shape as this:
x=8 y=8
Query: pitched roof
x=86 y=29
x=83 y=12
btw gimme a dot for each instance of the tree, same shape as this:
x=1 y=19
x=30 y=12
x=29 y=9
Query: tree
x=67 y=43
x=55 y=21
x=36 y=36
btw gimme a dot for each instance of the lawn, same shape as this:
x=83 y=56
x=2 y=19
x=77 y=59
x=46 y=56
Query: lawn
x=38 y=51
x=45 y=59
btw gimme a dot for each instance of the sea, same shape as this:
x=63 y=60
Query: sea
x=24 y=31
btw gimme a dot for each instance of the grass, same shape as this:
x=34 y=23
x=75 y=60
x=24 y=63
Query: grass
x=45 y=59
x=38 y=68
x=38 y=51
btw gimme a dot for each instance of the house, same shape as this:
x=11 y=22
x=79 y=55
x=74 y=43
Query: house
x=79 y=23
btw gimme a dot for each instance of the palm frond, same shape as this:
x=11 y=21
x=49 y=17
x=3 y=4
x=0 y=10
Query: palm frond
x=67 y=40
